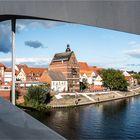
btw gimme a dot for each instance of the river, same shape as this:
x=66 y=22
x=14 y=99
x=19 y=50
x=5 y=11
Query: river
x=111 y=120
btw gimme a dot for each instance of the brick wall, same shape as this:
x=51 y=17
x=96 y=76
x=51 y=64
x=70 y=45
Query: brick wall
x=4 y=93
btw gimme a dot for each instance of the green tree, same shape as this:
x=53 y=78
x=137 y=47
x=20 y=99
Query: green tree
x=114 y=79
x=137 y=76
x=38 y=95
x=83 y=84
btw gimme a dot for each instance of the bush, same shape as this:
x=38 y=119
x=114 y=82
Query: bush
x=38 y=95
x=17 y=94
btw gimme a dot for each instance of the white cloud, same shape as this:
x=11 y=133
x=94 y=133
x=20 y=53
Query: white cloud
x=40 y=61
x=135 y=52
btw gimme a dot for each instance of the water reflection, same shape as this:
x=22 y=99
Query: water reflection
x=112 y=120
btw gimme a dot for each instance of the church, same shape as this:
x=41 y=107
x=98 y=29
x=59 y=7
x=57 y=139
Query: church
x=67 y=63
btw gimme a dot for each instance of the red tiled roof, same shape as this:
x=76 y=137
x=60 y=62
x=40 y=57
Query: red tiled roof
x=96 y=70
x=2 y=65
x=83 y=66
x=10 y=70
x=35 y=71
x=22 y=66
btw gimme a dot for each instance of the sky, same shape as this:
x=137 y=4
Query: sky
x=37 y=41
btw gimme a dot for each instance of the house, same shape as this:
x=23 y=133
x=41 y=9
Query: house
x=28 y=73
x=91 y=74
x=97 y=81
x=8 y=75
x=85 y=73
x=129 y=78
x=31 y=74
x=56 y=80
x=21 y=76
x=2 y=69
x=66 y=62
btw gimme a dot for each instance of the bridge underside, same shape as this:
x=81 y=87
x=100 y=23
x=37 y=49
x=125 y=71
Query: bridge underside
x=117 y=15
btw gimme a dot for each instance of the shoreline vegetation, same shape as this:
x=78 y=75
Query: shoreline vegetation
x=80 y=99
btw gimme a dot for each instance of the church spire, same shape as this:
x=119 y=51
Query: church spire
x=68 y=48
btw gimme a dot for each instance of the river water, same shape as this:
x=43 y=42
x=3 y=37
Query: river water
x=112 y=120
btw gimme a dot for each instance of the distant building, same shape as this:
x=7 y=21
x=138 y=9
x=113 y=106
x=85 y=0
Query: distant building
x=66 y=63
x=2 y=69
x=32 y=74
x=21 y=76
x=8 y=75
x=130 y=78
x=91 y=74
x=56 y=80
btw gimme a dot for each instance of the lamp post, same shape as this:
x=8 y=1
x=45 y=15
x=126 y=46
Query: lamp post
x=13 y=26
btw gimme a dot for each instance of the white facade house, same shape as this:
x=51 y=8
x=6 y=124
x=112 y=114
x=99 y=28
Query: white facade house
x=7 y=76
x=89 y=79
x=21 y=76
x=59 y=86
x=92 y=79
x=98 y=81
x=58 y=81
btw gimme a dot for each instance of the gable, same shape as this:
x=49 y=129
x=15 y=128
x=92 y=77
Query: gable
x=73 y=60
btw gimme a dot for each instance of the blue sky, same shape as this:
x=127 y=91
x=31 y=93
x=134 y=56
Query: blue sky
x=38 y=41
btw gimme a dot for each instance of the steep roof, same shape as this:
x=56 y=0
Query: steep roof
x=65 y=56
x=83 y=66
x=36 y=71
x=88 y=70
x=56 y=76
x=96 y=70
x=22 y=66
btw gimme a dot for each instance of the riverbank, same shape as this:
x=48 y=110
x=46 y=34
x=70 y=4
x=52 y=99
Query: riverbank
x=80 y=99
